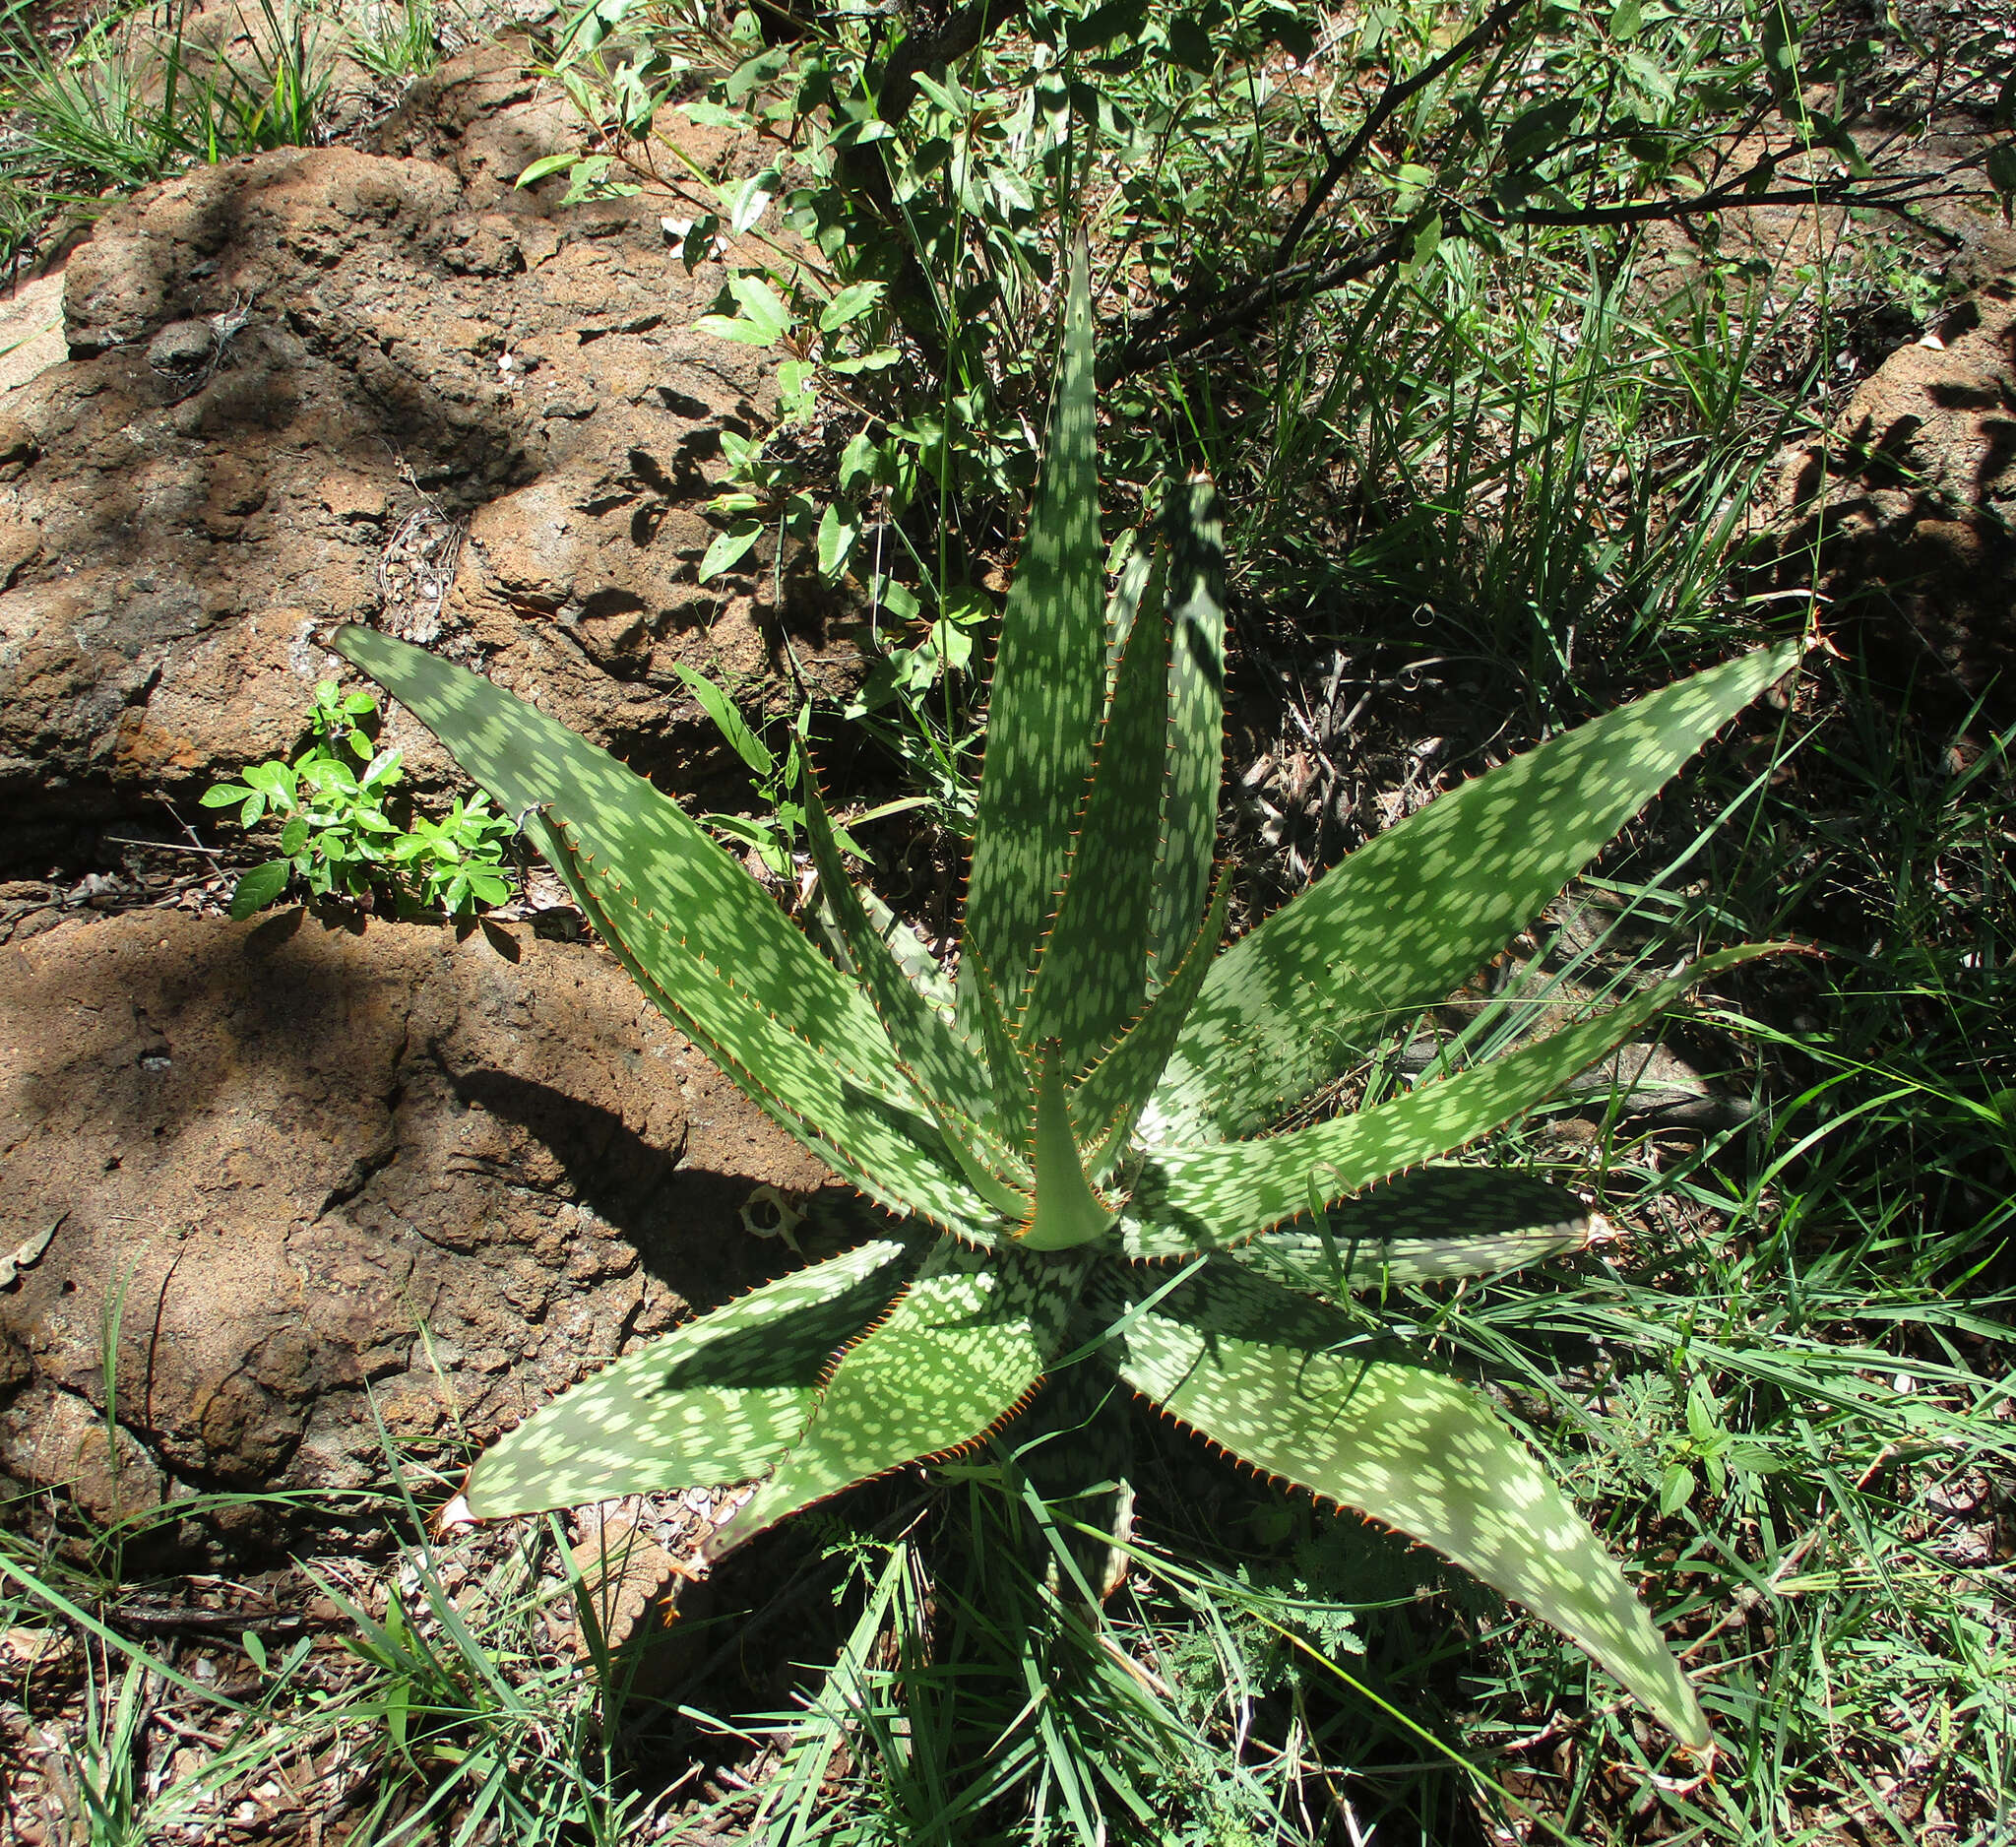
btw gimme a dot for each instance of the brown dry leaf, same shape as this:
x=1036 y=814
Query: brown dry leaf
x=623 y=1574
x=26 y=1653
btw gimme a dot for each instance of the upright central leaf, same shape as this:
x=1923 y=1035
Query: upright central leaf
x=1092 y=979
x=1049 y=692
x=1196 y=717
x=1067 y=1211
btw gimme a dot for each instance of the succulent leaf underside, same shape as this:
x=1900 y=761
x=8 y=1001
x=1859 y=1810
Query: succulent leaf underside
x=1076 y=1109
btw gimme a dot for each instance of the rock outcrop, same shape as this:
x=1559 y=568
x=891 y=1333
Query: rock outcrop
x=287 y=371
x=298 y=1175
x=1905 y=517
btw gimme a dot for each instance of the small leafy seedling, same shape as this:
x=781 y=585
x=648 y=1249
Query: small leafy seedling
x=336 y=835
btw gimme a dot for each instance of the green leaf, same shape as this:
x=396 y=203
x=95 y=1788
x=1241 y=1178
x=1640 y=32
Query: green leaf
x=1049 y=688
x=862 y=462
x=1190 y=45
x=849 y=304
x=715 y=1401
x=1210 y=1198
x=260 y=887
x=1067 y=1210
x=859 y=1117
x=838 y=532
x=1291 y=1387
x=959 y=1353
x=951 y=1080
x=1413 y=912
x=1092 y=977
x=761 y=319
x=1430 y=1227
x=1196 y=717
x=759 y=302
x=1534 y=135
x=745 y=201
x=734 y=327
x=728 y=548
x=1014 y=1115
x=919 y=964
x=273 y=780
x=880 y=360
x=1102 y=25
x=728 y=719
x=1135 y=570
x=547 y=164
x=1112 y=1095
x=1426 y=242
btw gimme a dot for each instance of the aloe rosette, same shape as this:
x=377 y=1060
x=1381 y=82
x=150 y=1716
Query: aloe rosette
x=1070 y=1131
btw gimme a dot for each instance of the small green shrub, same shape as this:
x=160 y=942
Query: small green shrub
x=337 y=839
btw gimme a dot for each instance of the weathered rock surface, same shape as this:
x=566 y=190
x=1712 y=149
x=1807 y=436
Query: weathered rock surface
x=301 y=1172
x=270 y=363
x=1909 y=506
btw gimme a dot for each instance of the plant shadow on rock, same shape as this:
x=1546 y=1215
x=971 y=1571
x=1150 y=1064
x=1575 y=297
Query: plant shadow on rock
x=646 y=1192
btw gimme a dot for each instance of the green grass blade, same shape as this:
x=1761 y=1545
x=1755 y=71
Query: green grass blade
x=1196 y=717
x=1093 y=976
x=1275 y=1380
x=1416 y=911
x=959 y=1351
x=715 y=1401
x=1049 y=688
x=893 y=1152
x=1217 y=1197
x=1430 y=1227
x=1113 y=1092
x=1067 y=1211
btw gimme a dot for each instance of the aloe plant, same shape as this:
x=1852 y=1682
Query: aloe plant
x=1068 y=1131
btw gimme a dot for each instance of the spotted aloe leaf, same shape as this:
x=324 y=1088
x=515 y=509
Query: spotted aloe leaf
x=1108 y=1099
x=962 y=1349
x=1092 y=1095
x=1218 y=1195
x=1431 y=1227
x=1093 y=975
x=917 y=962
x=716 y=1400
x=1293 y=1387
x=952 y=1083
x=895 y=1155
x=1049 y=691
x=1418 y=910
x=1196 y=717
